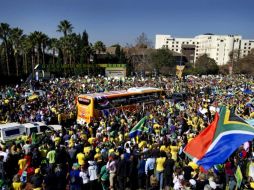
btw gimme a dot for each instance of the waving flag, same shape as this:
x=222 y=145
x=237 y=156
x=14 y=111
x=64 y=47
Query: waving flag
x=138 y=128
x=219 y=140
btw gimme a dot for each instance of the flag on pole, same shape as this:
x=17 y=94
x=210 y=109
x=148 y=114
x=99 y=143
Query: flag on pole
x=219 y=140
x=238 y=176
x=138 y=128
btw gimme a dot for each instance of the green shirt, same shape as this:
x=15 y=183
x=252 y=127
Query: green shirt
x=104 y=173
x=51 y=156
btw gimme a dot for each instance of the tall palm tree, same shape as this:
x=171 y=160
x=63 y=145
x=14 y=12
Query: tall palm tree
x=26 y=48
x=53 y=45
x=37 y=38
x=65 y=26
x=4 y=35
x=99 y=47
x=16 y=35
x=32 y=42
x=44 y=44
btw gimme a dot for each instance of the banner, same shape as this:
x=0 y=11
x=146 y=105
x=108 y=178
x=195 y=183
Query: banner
x=179 y=71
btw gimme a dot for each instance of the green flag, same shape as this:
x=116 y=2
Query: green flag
x=238 y=176
x=138 y=128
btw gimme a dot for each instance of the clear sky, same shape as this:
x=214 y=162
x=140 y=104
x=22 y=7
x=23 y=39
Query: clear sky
x=122 y=21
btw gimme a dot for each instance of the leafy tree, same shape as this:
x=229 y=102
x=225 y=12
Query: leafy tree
x=4 y=36
x=206 y=65
x=162 y=58
x=65 y=26
x=99 y=47
x=16 y=35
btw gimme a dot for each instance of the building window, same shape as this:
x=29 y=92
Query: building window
x=183 y=42
x=172 y=45
x=176 y=49
x=187 y=42
x=176 y=42
x=221 y=40
x=193 y=42
x=166 y=42
x=244 y=51
x=249 y=47
x=248 y=51
x=197 y=42
x=244 y=47
x=176 y=45
x=245 y=43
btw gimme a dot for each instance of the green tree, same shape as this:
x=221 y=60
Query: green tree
x=65 y=26
x=206 y=65
x=162 y=58
x=4 y=36
x=99 y=47
x=16 y=35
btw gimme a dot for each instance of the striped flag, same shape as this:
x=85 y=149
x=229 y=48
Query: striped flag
x=138 y=128
x=219 y=140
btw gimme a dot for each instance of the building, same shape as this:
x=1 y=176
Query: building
x=217 y=47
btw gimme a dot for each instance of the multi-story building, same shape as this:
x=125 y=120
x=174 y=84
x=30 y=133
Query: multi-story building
x=217 y=47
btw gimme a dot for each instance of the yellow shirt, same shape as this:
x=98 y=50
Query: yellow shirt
x=17 y=185
x=22 y=163
x=174 y=151
x=57 y=140
x=81 y=158
x=91 y=140
x=159 y=164
x=87 y=150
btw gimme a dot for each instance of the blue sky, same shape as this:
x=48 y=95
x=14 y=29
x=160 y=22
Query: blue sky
x=122 y=21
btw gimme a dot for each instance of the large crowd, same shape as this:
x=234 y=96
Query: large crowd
x=100 y=155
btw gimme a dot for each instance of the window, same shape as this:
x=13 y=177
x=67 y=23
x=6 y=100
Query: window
x=166 y=42
x=193 y=42
x=245 y=44
x=221 y=40
x=84 y=101
x=176 y=42
x=244 y=47
x=12 y=132
x=187 y=43
x=33 y=130
x=197 y=42
x=44 y=128
x=176 y=49
x=101 y=103
x=249 y=47
x=172 y=45
x=249 y=44
x=176 y=45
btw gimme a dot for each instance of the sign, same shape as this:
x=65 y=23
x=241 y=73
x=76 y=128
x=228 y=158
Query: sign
x=115 y=72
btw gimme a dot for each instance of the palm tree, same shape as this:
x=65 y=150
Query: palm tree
x=26 y=48
x=65 y=26
x=53 y=45
x=44 y=44
x=4 y=35
x=16 y=35
x=99 y=47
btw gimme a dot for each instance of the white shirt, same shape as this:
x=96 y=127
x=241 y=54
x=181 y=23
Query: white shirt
x=84 y=176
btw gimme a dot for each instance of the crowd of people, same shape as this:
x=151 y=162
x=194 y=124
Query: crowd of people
x=101 y=155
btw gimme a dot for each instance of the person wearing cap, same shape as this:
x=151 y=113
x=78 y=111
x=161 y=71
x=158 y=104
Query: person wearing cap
x=75 y=180
x=37 y=179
